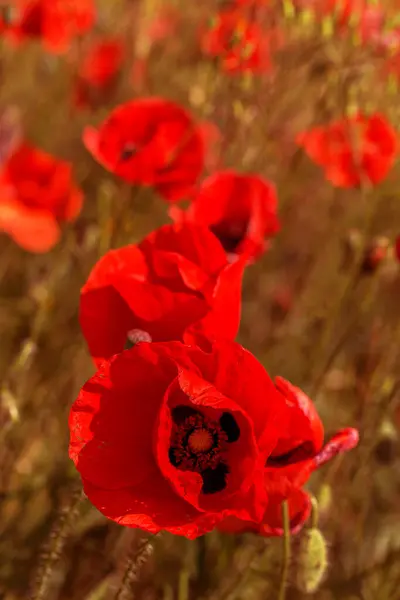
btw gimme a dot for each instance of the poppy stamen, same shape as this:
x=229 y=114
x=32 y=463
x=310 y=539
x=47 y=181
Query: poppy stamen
x=200 y=444
x=200 y=440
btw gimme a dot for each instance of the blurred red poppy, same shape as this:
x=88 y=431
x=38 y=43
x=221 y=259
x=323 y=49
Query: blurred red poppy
x=98 y=71
x=164 y=25
x=237 y=42
x=37 y=194
x=241 y=210
x=55 y=22
x=353 y=150
x=349 y=16
x=298 y=452
x=150 y=141
x=176 y=278
x=168 y=437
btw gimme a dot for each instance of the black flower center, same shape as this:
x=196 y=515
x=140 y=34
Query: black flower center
x=127 y=152
x=230 y=234
x=200 y=444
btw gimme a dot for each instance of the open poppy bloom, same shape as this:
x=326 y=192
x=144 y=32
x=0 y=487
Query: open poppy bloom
x=237 y=42
x=55 y=22
x=298 y=452
x=152 y=142
x=175 y=282
x=241 y=210
x=37 y=194
x=167 y=436
x=98 y=72
x=353 y=150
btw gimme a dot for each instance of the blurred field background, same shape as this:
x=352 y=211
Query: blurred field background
x=316 y=310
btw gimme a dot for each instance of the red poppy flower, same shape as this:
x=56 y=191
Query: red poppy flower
x=239 y=209
x=237 y=42
x=98 y=72
x=177 y=278
x=55 y=22
x=150 y=141
x=352 y=150
x=166 y=436
x=297 y=454
x=37 y=194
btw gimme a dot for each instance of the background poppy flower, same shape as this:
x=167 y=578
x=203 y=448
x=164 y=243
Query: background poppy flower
x=166 y=436
x=98 y=71
x=239 y=209
x=237 y=42
x=55 y=22
x=297 y=454
x=150 y=141
x=353 y=149
x=177 y=277
x=37 y=194
x=164 y=25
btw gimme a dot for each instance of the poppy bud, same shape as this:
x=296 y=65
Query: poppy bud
x=311 y=561
x=374 y=254
x=135 y=336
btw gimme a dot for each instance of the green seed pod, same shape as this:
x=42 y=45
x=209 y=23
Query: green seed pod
x=311 y=561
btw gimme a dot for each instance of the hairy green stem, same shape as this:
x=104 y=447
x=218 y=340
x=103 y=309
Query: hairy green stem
x=286 y=550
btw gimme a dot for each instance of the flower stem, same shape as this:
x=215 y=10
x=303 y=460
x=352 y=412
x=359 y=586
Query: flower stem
x=132 y=571
x=44 y=580
x=286 y=550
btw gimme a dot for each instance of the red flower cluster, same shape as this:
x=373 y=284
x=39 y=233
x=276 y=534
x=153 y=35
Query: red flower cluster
x=214 y=442
x=238 y=43
x=37 y=194
x=176 y=282
x=241 y=210
x=353 y=150
x=181 y=429
x=169 y=437
x=55 y=22
x=98 y=72
x=153 y=142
